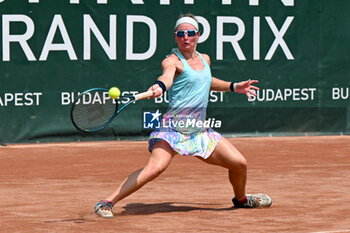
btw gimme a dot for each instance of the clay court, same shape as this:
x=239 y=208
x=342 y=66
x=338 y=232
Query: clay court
x=54 y=187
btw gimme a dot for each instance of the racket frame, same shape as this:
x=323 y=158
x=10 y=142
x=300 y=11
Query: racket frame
x=132 y=99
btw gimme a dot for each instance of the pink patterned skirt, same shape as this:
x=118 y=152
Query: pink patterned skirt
x=200 y=143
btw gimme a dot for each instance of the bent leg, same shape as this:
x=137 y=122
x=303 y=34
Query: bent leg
x=226 y=155
x=159 y=160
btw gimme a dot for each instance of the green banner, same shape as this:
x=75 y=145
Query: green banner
x=53 y=50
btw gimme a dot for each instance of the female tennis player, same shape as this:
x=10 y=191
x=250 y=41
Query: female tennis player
x=187 y=77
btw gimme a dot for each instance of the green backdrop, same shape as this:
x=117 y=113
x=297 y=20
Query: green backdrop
x=52 y=50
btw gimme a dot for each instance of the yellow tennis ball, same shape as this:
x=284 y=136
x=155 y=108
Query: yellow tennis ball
x=114 y=92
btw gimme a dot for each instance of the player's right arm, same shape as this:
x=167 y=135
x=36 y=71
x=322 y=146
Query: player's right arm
x=167 y=77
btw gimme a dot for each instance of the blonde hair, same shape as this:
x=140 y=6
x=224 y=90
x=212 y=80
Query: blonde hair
x=188 y=15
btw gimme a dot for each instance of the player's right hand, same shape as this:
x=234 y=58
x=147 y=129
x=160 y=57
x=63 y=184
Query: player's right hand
x=157 y=91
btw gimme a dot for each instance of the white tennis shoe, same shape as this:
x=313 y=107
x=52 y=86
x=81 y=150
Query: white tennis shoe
x=254 y=201
x=104 y=209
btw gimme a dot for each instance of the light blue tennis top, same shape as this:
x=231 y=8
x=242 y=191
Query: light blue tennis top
x=188 y=96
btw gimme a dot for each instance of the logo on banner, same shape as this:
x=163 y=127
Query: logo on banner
x=151 y=120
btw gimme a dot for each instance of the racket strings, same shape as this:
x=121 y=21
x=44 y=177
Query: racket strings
x=93 y=110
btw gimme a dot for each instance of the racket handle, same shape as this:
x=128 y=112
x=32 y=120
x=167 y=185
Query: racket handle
x=143 y=95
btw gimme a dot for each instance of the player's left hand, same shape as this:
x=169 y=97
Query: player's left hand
x=245 y=87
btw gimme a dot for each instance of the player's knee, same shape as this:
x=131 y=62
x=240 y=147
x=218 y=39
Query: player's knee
x=155 y=171
x=243 y=164
x=240 y=165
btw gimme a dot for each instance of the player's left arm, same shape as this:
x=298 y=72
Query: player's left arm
x=217 y=84
x=244 y=87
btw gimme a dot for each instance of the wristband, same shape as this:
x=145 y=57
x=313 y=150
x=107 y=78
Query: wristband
x=233 y=86
x=161 y=85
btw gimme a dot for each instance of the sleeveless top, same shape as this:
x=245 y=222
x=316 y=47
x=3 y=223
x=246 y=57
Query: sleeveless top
x=188 y=98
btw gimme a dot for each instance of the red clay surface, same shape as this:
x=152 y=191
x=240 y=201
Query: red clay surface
x=54 y=187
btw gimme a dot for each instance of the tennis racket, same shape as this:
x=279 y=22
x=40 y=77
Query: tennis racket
x=94 y=109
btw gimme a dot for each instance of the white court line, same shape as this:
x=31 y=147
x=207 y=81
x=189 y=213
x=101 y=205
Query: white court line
x=337 y=231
